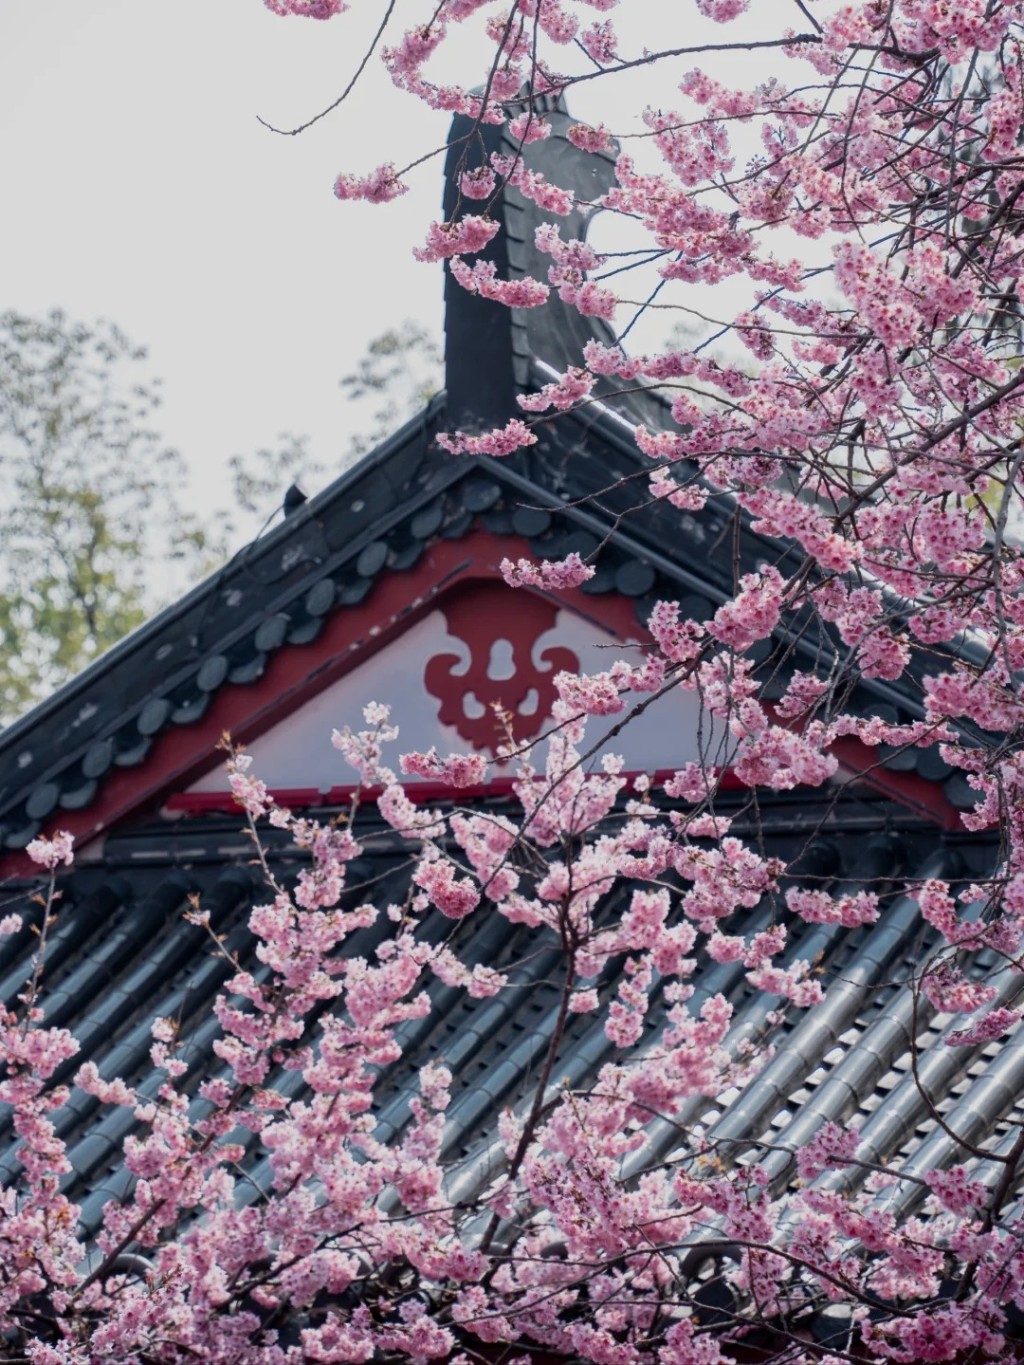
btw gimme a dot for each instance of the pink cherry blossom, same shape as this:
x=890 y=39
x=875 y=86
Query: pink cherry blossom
x=506 y=441
x=52 y=852
x=829 y=204
x=481 y=279
x=470 y=233
x=380 y=186
x=551 y=573
x=309 y=9
x=461 y=770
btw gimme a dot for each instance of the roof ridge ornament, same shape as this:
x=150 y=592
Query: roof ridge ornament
x=489 y=347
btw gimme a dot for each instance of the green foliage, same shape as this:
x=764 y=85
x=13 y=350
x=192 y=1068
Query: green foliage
x=92 y=535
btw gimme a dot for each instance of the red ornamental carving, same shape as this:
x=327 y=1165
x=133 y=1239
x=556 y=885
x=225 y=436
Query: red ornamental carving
x=500 y=629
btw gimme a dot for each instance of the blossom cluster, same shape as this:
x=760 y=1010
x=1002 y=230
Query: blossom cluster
x=842 y=239
x=347 y=1213
x=839 y=234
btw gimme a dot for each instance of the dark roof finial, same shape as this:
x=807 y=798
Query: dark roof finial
x=488 y=346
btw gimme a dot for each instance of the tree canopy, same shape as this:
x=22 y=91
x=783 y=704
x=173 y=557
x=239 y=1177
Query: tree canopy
x=93 y=534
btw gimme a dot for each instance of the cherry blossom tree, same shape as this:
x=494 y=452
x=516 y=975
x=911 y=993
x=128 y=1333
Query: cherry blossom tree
x=863 y=402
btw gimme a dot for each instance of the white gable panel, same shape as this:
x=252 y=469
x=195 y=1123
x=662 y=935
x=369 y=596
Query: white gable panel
x=507 y=668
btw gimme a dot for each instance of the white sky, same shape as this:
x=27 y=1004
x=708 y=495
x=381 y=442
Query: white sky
x=138 y=186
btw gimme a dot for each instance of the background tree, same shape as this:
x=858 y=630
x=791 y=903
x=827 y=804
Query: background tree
x=401 y=371
x=260 y=478
x=93 y=534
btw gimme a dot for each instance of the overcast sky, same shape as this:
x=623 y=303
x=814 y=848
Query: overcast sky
x=139 y=186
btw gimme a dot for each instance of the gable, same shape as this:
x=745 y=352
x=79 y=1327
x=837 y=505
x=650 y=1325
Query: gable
x=479 y=666
x=358 y=566
x=249 y=650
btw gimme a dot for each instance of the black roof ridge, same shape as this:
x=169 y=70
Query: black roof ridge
x=506 y=340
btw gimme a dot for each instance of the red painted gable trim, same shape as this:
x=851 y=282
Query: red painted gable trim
x=294 y=673
x=420 y=793
x=907 y=789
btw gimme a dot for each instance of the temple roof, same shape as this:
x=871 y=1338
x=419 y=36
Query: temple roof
x=351 y=569
x=190 y=669
x=308 y=591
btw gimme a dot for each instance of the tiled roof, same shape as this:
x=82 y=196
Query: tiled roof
x=121 y=955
